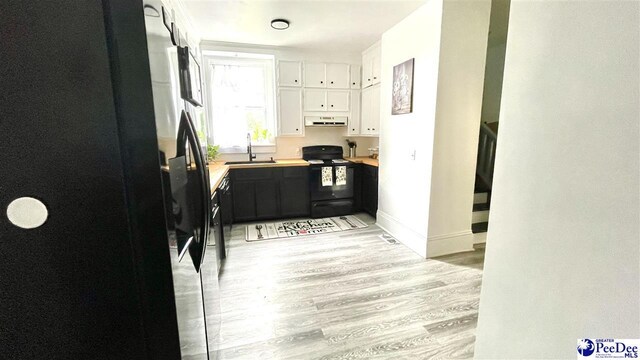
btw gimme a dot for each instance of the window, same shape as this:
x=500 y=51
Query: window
x=241 y=100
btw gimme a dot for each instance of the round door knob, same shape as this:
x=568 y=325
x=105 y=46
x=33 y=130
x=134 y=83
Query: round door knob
x=296 y=129
x=321 y=105
x=295 y=80
x=331 y=105
x=27 y=212
x=332 y=82
x=321 y=82
x=353 y=83
x=353 y=129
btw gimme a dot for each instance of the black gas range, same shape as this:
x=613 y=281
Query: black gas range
x=332 y=180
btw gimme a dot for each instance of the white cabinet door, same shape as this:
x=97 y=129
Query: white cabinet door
x=365 y=117
x=356 y=78
x=290 y=111
x=367 y=70
x=370 y=120
x=315 y=75
x=315 y=100
x=375 y=110
x=289 y=73
x=338 y=76
x=338 y=100
x=354 y=118
x=375 y=66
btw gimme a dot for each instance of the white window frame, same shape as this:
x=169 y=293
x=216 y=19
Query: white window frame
x=236 y=58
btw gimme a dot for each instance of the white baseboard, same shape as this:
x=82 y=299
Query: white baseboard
x=408 y=237
x=480 y=238
x=450 y=243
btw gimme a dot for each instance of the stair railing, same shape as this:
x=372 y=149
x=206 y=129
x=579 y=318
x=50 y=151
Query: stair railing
x=487 y=153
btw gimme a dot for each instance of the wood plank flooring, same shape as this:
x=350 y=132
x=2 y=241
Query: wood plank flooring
x=347 y=295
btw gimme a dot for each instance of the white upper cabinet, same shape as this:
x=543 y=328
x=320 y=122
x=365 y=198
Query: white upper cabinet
x=289 y=73
x=338 y=76
x=356 y=79
x=338 y=100
x=315 y=100
x=354 y=118
x=370 y=118
x=315 y=75
x=371 y=66
x=290 y=112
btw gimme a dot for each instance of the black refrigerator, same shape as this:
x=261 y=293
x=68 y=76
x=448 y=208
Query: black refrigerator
x=104 y=189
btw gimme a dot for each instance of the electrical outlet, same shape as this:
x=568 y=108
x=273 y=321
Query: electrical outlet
x=413 y=155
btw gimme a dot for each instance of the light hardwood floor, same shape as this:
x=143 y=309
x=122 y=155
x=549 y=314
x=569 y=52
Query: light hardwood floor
x=347 y=295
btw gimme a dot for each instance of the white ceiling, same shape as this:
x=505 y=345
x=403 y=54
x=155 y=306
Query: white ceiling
x=344 y=25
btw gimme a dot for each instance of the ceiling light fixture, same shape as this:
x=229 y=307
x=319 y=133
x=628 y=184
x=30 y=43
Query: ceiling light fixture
x=280 y=24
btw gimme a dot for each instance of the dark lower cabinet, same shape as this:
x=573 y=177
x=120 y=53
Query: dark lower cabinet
x=244 y=200
x=369 y=193
x=267 y=204
x=268 y=193
x=294 y=192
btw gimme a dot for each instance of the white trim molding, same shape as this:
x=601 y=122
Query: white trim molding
x=447 y=244
x=410 y=238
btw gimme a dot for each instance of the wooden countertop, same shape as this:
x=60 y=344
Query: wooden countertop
x=364 y=160
x=278 y=163
x=218 y=169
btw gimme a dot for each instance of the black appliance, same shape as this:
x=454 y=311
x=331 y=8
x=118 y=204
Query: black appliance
x=329 y=197
x=226 y=203
x=119 y=268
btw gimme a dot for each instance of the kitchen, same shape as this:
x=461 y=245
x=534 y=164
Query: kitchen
x=288 y=179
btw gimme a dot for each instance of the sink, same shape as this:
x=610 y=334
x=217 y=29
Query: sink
x=250 y=162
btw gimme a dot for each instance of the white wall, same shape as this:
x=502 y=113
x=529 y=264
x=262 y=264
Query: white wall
x=289 y=147
x=431 y=197
x=563 y=249
x=463 y=51
x=404 y=183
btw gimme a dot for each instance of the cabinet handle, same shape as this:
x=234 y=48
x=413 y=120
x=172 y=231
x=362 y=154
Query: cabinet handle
x=368 y=79
x=353 y=129
x=372 y=128
x=296 y=129
x=353 y=83
x=321 y=82
x=332 y=82
x=374 y=78
x=295 y=80
x=368 y=129
x=331 y=105
x=321 y=105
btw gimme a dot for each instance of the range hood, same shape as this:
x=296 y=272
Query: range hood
x=326 y=120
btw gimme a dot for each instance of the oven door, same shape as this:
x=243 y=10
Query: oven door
x=319 y=192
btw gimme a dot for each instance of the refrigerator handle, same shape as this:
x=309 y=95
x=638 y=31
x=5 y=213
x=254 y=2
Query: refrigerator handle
x=186 y=134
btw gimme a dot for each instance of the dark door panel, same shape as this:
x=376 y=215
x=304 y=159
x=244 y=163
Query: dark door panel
x=267 y=204
x=244 y=200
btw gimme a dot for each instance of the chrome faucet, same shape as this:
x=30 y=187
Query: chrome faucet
x=249 y=151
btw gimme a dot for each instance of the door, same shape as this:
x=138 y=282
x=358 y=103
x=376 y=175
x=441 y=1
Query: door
x=289 y=73
x=338 y=76
x=294 y=191
x=267 y=205
x=290 y=112
x=244 y=200
x=338 y=100
x=375 y=66
x=354 y=119
x=71 y=279
x=333 y=191
x=315 y=100
x=356 y=77
x=370 y=111
x=367 y=69
x=315 y=75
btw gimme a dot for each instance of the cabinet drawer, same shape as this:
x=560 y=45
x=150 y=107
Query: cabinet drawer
x=295 y=172
x=254 y=174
